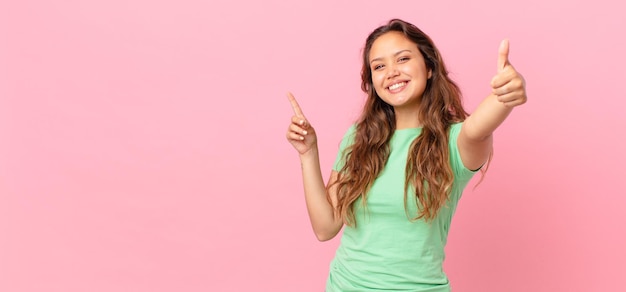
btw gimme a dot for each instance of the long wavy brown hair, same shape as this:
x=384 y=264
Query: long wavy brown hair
x=428 y=169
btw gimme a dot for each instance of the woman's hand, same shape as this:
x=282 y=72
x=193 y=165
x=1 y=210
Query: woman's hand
x=300 y=133
x=508 y=85
x=508 y=91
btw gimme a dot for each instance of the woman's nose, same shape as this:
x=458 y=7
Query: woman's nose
x=392 y=71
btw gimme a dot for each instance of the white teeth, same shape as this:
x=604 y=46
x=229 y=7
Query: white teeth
x=397 y=85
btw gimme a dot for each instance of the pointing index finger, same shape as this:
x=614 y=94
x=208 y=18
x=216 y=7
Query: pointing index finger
x=294 y=105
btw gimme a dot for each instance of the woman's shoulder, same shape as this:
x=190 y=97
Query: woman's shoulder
x=456 y=126
x=455 y=129
x=350 y=132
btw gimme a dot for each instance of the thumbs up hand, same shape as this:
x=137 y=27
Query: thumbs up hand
x=508 y=85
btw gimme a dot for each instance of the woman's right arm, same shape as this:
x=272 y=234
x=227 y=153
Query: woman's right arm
x=324 y=220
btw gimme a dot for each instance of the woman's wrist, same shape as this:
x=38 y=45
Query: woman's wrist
x=310 y=154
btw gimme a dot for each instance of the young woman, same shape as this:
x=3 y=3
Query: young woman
x=403 y=165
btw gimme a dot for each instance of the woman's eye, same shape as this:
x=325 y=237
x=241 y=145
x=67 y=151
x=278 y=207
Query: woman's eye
x=377 y=67
x=403 y=59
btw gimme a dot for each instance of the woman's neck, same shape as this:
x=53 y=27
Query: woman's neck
x=406 y=119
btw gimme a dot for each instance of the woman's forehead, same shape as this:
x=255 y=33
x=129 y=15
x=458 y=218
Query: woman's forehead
x=391 y=43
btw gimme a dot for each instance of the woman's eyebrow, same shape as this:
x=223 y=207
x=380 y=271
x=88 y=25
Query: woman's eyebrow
x=397 y=53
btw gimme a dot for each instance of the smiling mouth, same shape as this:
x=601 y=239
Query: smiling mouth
x=397 y=85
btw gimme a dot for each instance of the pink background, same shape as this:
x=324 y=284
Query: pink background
x=142 y=142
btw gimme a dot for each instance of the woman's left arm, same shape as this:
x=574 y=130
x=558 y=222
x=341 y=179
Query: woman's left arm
x=508 y=91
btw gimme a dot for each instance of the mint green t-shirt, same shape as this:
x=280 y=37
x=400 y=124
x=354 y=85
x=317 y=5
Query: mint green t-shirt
x=386 y=251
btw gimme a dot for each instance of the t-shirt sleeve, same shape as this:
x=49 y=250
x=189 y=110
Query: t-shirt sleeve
x=348 y=139
x=461 y=172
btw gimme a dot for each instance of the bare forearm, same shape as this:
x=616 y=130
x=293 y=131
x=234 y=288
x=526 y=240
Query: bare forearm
x=321 y=212
x=486 y=118
x=508 y=91
x=303 y=138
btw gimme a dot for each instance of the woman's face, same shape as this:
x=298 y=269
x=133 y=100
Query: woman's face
x=399 y=73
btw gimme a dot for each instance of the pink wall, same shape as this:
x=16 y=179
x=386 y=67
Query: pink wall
x=142 y=142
